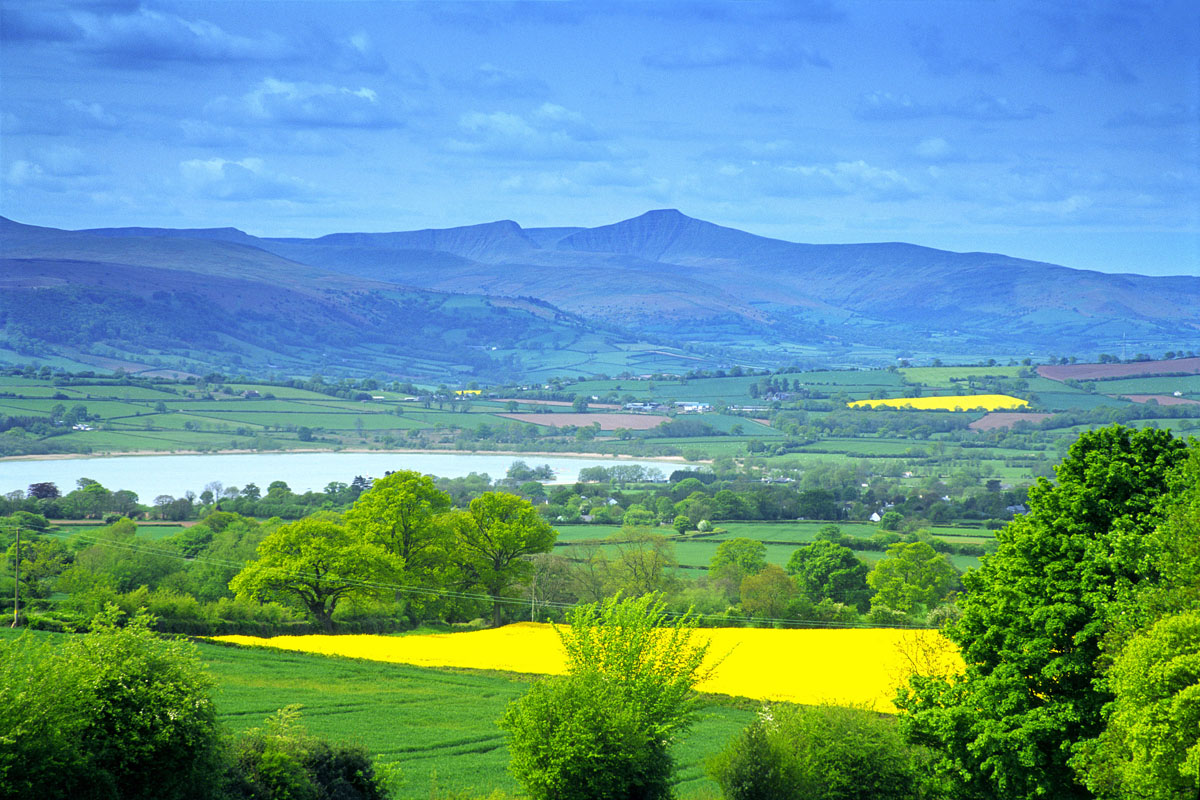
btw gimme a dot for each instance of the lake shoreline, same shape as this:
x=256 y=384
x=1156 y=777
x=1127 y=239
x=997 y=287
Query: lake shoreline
x=431 y=451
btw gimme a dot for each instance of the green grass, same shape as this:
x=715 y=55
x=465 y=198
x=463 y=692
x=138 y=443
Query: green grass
x=1063 y=401
x=942 y=376
x=867 y=446
x=437 y=725
x=781 y=539
x=1188 y=385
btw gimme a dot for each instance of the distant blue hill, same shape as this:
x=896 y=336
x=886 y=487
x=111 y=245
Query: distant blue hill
x=673 y=278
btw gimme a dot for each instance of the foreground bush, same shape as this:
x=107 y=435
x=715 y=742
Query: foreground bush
x=282 y=762
x=574 y=738
x=604 y=731
x=817 y=753
x=120 y=714
x=115 y=713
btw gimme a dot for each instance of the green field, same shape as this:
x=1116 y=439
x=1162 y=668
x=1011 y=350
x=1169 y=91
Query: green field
x=438 y=726
x=782 y=538
x=1185 y=384
x=954 y=377
x=1064 y=401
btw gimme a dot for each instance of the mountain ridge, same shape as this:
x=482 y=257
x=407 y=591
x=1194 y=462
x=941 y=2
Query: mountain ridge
x=674 y=278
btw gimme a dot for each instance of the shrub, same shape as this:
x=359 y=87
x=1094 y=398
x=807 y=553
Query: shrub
x=575 y=738
x=113 y=713
x=817 y=753
x=282 y=762
x=605 y=729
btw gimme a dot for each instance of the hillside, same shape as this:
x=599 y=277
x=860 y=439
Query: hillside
x=440 y=302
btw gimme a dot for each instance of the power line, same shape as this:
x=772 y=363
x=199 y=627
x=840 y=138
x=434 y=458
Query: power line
x=95 y=540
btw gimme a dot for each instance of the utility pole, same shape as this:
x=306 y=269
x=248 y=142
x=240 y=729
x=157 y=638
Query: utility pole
x=16 y=623
x=533 y=597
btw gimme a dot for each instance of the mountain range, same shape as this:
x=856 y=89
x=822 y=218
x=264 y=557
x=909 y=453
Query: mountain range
x=660 y=292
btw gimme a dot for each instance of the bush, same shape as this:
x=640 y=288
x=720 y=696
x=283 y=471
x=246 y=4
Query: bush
x=574 y=738
x=282 y=762
x=604 y=731
x=817 y=753
x=113 y=713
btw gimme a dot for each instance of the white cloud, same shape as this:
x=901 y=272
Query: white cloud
x=248 y=179
x=774 y=56
x=933 y=149
x=489 y=79
x=70 y=116
x=977 y=106
x=148 y=36
x=549 y=132
x=842 y=178
x=302 y=104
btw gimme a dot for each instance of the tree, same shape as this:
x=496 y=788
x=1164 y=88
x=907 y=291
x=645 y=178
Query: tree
x=41 y=561
x=749 y=556
x=116 y=559
x=114 y=713
x=642 y=562
x=313 y=565
x=281 y=760
x=912 y=576
x=604 y=729
x=1150 y=747
x=891 y=520
x=493 y=537
x=1034 y=617
x=637 y=516
x=401 y=513
x=44 y=491
x=827 y=570
x=768 y=593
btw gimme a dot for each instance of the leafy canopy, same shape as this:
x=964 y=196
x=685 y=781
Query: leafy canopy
x=1034 y=618
x=314 y=564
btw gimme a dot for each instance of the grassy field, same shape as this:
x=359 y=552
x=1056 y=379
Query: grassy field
x=437 y=725
x=781 y=540
x=951 y=377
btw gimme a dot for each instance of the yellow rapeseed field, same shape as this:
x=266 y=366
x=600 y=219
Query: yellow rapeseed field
x=955 y=402
x=855 y=666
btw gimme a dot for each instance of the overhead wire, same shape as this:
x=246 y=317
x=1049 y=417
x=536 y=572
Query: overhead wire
x=400 y=588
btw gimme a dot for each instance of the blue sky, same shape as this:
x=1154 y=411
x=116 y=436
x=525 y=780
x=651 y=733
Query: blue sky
x=1066 y=132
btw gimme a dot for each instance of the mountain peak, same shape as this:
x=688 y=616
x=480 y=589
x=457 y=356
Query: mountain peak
x=664 y=213
x=664 y=234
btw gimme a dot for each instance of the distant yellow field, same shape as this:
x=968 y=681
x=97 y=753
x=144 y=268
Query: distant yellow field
x=955 y=402
x=859 y=666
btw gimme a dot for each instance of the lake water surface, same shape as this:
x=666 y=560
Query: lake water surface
x=155 y=475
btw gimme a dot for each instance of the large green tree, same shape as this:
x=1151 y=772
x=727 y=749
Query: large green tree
x=1034 y=618
x=314 y=564
x=825 y=570
x=912 y=576
x=494 y=536
x=400 y=513
x=1150 y=747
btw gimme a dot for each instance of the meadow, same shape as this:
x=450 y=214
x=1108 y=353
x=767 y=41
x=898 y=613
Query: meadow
x=695 y=551
x=436 y=726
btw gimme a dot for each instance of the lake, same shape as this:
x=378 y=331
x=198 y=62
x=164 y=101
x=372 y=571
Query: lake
x=153 y=475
